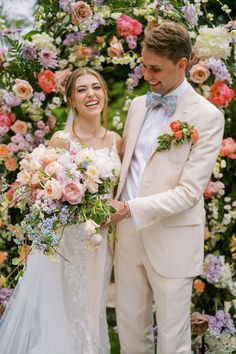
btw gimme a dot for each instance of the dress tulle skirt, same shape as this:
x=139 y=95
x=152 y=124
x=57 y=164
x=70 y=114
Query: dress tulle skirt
x=58 y=306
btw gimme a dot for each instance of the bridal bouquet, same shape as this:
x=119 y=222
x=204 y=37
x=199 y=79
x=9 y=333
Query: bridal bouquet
x=58 y=188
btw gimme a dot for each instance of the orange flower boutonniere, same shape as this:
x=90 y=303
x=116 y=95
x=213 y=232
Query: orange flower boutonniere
x=181 y=132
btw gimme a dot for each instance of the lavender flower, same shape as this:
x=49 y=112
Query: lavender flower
x=47 y=58
x=11 y=100
x=211 y=268
x=5 y=295
x=190 y=13
x=219 y=69
x=134 y=78
x=65 y=5
x=98 y=20
x=28 y=53
x=39 y=97
x=221 y=322
x=72 y=38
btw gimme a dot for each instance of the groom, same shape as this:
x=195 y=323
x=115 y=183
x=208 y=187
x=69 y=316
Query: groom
x=160 y=214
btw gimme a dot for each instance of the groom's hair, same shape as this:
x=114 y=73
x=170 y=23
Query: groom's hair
x=170 y=40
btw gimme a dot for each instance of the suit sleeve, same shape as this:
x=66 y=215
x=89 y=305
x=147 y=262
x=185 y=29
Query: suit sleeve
x=195 y=176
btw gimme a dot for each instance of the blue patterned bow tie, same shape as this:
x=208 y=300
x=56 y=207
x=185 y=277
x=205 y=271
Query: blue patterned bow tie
x=155 y=100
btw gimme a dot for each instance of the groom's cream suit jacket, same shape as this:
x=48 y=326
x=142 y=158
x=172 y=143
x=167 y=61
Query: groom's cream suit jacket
x=169 y=212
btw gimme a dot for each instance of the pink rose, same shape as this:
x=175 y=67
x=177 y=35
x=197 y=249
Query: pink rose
x=52 y=122
x=115 y=49
x=174 y=126
x=228 y=148
x=79 y=12
x=22 y=89
x=73 y=192
x=127 y=26
x=61 y=77
x=6 y=119
x=199 y=73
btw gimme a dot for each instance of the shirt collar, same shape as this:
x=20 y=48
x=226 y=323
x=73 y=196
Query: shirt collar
x=180 y=90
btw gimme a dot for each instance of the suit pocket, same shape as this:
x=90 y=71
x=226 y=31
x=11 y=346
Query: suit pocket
x=183 y=219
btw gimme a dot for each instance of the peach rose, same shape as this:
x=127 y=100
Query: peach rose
x=100 y=39
x=199 y=73
x=3 y=256
x=174 y=126
x=53 y=189
x=178 y=135
x=194 y=135
x=115 y=49
x=22 y=89
x=80 y=11
x=61 y=77
x=19 y=127
x=84 y=52
x=4 y=151
x=73 y=192
x=11 y=163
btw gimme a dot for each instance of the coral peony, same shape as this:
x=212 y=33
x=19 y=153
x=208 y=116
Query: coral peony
x=228 y=148
x=46 y=81
x=221 y=94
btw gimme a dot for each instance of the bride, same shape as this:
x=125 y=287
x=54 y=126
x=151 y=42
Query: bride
x=59 y=307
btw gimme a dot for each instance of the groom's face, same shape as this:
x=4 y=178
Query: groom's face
x=162 y=74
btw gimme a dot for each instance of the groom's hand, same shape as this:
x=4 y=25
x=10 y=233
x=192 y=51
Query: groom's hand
x=122 y=211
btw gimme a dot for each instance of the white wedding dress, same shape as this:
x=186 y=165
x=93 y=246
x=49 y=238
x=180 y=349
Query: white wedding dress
x=59 y=307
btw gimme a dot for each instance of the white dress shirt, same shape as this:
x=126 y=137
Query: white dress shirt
x=155 y=120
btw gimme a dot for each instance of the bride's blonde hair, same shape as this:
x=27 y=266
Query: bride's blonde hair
x=70 y=89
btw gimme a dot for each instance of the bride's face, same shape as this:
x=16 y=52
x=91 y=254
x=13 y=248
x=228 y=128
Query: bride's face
x=89 y=97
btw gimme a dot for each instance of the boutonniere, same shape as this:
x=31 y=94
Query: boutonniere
x=181 y=132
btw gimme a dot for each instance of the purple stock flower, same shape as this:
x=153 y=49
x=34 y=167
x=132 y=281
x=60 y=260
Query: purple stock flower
x=28 y=53
x=190 y=14
x=221 y=322
x=212 y=268
x=47 y=58
x=11 y=100
x=219 y=69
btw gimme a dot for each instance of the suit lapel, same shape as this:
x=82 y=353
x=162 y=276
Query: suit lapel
x=132 y=136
